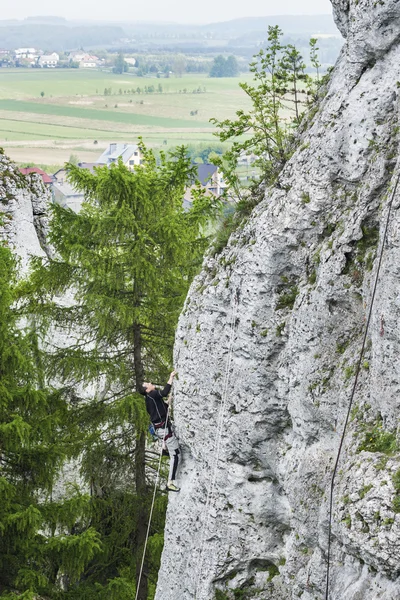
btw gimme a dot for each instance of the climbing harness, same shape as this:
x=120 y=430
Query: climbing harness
x=355 y=384
x=152 y=507
x=221 y=421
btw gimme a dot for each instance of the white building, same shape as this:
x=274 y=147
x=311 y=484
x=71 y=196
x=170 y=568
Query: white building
x=49 y=60
x=25 y=53
x=89 y=61
x=129 y=154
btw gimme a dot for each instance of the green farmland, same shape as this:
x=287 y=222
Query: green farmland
x=46 y=115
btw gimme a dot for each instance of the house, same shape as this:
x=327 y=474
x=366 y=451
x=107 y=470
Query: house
x=64 y=193
x=67 y=196
x=77 y=55
x=89 y=61
x=47 y=180
x=25 y=53
x=49 y=60
x=210 y=178
x=129 y=154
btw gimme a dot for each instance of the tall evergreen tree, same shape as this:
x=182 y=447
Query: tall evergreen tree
x=129 y=256
x=37 y=545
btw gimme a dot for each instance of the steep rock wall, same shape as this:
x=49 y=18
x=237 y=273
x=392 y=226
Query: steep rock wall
x=23 y=209
x=266 y=351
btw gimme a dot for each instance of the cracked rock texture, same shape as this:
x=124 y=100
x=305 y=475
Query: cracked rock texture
x=23 y=211
x=266 y=351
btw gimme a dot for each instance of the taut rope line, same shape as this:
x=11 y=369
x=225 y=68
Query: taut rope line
x=355 y=385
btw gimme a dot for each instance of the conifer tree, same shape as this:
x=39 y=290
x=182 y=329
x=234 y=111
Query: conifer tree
x=129 y=257
x=37 y=545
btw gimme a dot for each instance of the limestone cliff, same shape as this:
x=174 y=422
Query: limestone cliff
x=266 y=349
x=23 y=209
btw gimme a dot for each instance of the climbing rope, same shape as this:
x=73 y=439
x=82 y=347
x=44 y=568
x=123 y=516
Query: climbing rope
x=152 y=505
x=218 y=438
x=354 y=387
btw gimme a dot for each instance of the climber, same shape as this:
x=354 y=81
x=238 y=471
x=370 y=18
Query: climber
x=157 y=408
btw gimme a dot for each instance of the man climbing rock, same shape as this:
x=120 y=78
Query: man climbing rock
x=157 y=407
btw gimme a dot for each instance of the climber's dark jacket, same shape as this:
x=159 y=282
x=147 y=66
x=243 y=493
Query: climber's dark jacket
x=155 y=405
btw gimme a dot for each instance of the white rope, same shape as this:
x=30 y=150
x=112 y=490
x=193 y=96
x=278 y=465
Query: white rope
x=152 y=505
x=220 y=424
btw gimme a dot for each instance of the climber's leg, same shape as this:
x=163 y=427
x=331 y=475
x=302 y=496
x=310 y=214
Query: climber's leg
x=172 y=445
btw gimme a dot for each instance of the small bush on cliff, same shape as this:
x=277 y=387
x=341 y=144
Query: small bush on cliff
x=280 y=85
x=376 y=439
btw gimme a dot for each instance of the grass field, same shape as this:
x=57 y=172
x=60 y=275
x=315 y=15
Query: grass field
x=73 y=113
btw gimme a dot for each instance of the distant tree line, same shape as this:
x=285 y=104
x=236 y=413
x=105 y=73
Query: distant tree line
x=152 y=89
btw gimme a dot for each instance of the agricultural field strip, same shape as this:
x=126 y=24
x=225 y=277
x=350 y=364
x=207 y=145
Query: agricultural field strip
x=99 y=115
x=26 y=83
x=76 y=127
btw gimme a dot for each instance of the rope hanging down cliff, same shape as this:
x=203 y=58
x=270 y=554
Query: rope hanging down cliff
x=355 y=385
x=221 y=420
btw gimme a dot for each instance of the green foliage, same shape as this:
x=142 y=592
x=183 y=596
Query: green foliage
x=220 y=595
x=287 y=298
x=364 y=490
x=224 y=67
x=128 y=257
x=37 y=434
x=233 y=217
x=396 y=504
x=363 y=254
x=120 y=65
x=396 y=481
x=280 y=328
x=273 y=571
x=376 y=439
x=280 y=84
x=305 y=198
x=312 y=278
x=396 y=485
x=349 y=372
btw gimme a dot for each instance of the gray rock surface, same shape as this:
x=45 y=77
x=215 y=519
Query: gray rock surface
x=23 y=210
x=266 y=350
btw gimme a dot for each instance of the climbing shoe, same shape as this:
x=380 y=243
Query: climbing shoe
x=171 y=487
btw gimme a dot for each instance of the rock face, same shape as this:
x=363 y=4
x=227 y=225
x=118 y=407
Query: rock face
x=23 y=210
x=267 y=348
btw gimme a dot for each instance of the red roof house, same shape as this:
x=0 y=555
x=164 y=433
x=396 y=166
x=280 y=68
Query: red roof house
x=47 y=180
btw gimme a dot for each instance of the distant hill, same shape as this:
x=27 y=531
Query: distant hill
x=290 y=24
x=56 y=33
x=56 y=37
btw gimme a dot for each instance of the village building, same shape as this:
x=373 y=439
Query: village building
x=77 y=55
x=49 y=60
x=129 y=154
x=26 y=53
x=210 y=178
x=89 y=61
x=47 y=179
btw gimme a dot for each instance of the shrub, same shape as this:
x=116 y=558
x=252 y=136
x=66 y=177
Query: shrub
x=377 y=439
